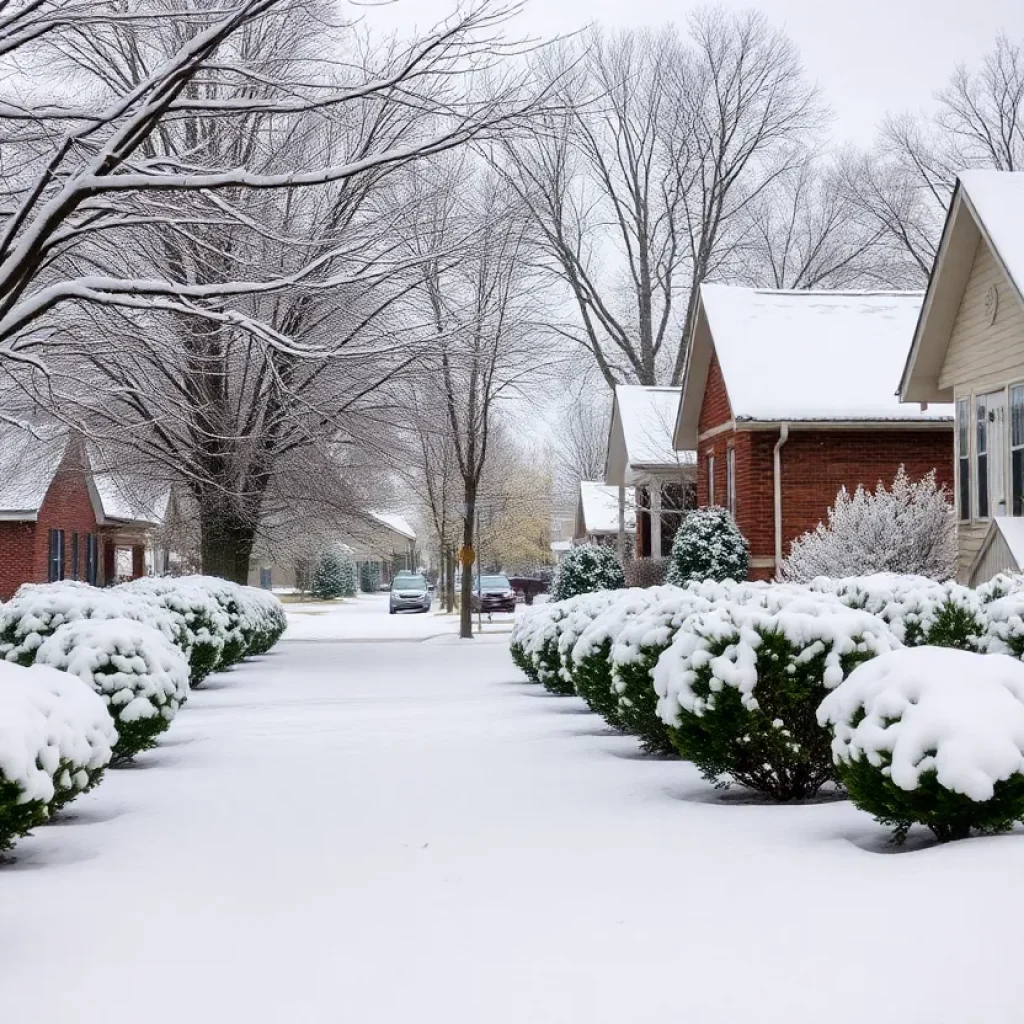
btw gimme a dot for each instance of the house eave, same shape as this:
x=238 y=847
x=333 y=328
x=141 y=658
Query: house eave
x=19 y=516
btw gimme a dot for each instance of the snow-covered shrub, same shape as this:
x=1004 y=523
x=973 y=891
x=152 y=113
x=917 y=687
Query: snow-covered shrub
x=55 y=740
x=910 y=529
x=740 y=686
x=585 y=569
x=1001 y=585
x=932 y=736
x=918 y=610
x=141 y=676
x=264 y=619
x=238 y=628
x=646 y=572
x=37 y=610
x=708 y=546
x=591 y=656
x=205 y=624
x=333 y=576
x=369 y=577
x=538 y=638
x=581 y=612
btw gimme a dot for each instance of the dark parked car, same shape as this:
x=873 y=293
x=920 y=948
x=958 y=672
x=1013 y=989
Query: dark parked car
x=409 y=593
x=493 y=594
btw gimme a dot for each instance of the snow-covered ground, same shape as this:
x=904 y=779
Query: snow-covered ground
x=381 y=833
x=366 y=618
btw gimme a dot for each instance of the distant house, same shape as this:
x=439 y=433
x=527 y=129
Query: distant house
x=643 y=460
x=597 y=514
x=59 y=520
x=790 y=395
x=968 y=349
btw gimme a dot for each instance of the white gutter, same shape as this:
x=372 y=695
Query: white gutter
x=777 y=453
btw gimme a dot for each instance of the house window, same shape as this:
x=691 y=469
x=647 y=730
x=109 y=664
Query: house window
x=91 y=574
x=981 y=454
x=711 y=478
x=730 y=481
x=55 y=569
x=963 y=451
x=74 y=557
x=1017 y=449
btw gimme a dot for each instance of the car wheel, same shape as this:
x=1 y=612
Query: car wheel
x=391 y=611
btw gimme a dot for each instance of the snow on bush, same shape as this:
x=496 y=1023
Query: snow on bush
x=586 y=569
x=534 y=640
x=580 y=613
x=918 y=610
x=708 y=546
x=55 y=740
x=37 y=610
x=369 y=577
x=141 y=676
x=333 y=576
x=264 y=619
x=909 y=529
x=591 y=667
x=740 y=686
x=237 y=632
x=932 y=736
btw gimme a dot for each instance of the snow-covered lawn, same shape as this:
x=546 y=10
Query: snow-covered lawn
x=382 y=833
x=366 y=618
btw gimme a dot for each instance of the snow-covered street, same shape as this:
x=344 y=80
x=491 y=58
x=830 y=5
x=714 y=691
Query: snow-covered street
x=386 y=832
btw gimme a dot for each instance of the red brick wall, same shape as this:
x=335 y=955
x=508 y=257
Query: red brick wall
x=24 y=547
x=815 y=464
x=715 y=409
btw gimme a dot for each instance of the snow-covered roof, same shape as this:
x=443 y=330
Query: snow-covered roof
x=810 y=356
x=599 y=509
x=989 y=206
x=396 y=523
x=29 y=460
x=131 y=501
x=1002 y=549
x=640 y=435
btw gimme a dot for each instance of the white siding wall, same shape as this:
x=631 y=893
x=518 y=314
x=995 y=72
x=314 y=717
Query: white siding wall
x=983 y=357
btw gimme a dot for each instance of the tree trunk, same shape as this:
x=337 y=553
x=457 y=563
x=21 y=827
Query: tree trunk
x=449 y=591
x=226 y=541
x=468 y=525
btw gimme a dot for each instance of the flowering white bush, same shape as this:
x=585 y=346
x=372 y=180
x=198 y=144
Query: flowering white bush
x=739 y=689
x=55 y=740
x=708 y=546
x=909 y=529
x=36 y=610
x=586 y=569
x=141 y=676
x=934 y=736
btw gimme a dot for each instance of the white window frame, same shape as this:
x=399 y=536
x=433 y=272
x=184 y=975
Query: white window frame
x=710 y=463
x=964 y=512
x=730 y=480
x=1010 y=446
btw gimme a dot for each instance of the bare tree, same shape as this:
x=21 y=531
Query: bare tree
x=639 y=189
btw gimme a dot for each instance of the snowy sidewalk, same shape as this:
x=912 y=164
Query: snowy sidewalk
x=382 y=833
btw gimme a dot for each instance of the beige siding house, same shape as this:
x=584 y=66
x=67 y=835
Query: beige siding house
x=969 y=349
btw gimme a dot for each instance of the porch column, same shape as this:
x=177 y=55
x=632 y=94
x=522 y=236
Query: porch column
x=109 y=564
x=138 y=561
x=654 y=490
x=622 y=522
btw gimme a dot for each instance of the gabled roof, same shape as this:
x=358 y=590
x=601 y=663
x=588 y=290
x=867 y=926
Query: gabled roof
x=126 y=501
x=801 y=356
x=640 y=435
x=598 y=509
x=985 y=204
x=29 y=459
x=1006 y=535
x=396 y=523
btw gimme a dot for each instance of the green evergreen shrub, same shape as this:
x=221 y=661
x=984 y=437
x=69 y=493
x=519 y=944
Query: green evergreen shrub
x=369 y=577
x=708 y=546
x=333 y=576
x=586 y=569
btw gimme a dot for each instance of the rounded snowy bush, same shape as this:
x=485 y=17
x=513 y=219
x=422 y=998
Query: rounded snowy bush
x=932 y=736
x=238 y=630
x=141 y=676
x=581 y=613
x=918 y=610
x=37 y=610
x=591 y=656
x=586 y=569
x=204 y=623
x=535 y=643
x=55 y=741
x=708 y=546
x=264 y=619
x=740 y=686
x=334 y=575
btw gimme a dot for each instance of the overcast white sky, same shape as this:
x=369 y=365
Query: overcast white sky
x=869 y=56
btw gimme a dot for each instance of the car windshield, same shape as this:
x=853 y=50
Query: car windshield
x=494 y=583
x=409 y=583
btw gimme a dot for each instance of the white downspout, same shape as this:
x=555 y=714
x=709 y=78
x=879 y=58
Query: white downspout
x=783 y=438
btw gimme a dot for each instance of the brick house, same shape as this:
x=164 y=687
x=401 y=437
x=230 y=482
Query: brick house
x=59 y=520
x=790 y=395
